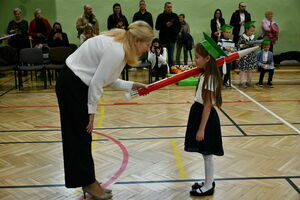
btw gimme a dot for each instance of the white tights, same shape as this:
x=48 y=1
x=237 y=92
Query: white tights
x=209 y=172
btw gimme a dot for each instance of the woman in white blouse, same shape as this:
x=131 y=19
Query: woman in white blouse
x=97 y=63
x=157 y=56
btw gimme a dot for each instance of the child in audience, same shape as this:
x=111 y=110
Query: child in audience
x=247 y=63
x=87 y=33
x=265 y=63
x=228 y=46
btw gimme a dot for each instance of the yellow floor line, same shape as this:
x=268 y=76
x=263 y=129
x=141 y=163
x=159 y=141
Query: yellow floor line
x=177 y=156
x=98 y=124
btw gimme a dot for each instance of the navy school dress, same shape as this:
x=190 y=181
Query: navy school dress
x=212 y=143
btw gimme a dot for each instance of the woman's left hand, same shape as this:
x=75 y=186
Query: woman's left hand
x=90 y=126
x=137 y=85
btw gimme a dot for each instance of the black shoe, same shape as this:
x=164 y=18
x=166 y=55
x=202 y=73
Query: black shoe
x=207 y=193
x=197 y=185
x=270 y=85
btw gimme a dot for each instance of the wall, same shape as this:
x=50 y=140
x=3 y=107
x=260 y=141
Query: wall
x=198 y=14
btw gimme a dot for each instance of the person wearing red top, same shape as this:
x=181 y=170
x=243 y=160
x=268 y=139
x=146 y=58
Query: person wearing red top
x=39 y=28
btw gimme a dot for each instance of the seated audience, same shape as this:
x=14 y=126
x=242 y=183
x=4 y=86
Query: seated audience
x=57 y=37
x=39 y=29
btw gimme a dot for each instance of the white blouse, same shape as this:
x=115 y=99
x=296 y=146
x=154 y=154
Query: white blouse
x=210 y=86
x=98 y=62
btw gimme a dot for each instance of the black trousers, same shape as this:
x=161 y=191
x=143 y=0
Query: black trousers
x=262 y=74
x=72 y=99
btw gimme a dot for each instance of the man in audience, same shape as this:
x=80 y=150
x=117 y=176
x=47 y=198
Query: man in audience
x=238 y=19
x=143 y=14
x=168 y=25
x=87 y=18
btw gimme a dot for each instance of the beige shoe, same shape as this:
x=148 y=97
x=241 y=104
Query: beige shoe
x=102 y=197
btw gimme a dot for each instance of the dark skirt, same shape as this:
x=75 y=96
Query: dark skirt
x=212 y=143
x=72 y=95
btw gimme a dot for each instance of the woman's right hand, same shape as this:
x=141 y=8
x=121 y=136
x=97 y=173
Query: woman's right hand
x=90 y=126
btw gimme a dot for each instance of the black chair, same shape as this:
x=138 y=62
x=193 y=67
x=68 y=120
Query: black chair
x=144 y=64
x=31 y=59
x=58 y=56
x=8 y=61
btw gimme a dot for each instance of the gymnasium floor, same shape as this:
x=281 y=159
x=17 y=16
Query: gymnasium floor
x=138 y=144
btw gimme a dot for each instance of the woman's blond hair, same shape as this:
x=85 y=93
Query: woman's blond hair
x=137 y=31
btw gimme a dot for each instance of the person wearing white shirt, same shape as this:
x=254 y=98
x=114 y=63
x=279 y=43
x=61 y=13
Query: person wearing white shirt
x=157 y=56
x=97 y=63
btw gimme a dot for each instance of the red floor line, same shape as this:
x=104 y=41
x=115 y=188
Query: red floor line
x=6 y=81
x=154 y=103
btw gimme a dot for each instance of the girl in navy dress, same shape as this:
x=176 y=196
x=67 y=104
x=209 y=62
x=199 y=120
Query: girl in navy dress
x=203 y=134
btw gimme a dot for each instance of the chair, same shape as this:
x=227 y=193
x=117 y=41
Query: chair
x=8 y=61
x=144 y=64
x=31 y=59
x=58 y=56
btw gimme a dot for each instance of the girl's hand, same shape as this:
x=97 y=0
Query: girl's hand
x=89 y=127
x=136 y=86
x=200 y=135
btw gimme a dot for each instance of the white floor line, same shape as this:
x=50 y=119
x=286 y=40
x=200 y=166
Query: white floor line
x=266 y=109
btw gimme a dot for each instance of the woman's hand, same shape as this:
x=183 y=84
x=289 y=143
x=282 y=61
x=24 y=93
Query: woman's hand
x=136 y=86
x=200 y=135
x=90 y=126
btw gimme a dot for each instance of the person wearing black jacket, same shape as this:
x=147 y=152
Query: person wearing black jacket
x=143 y=14
x=117 y=19
x=215 y=25
x=18 y=26
x=168 y=25
x=57 y=38
x=238 y=19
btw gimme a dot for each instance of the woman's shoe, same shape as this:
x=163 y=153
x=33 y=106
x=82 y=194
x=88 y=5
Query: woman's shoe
x=106 y=190
x=102 y=197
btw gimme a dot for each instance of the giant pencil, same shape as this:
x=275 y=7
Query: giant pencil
x=183 y=75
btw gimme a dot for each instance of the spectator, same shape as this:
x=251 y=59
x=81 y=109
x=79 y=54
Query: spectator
x=157 y=56
x=215 y=25
x=117 y=19
x=87 y=18
x=270 y=29
x=168 y=25
x=39 y=28
x=143 y=14
x=228 y=46
x=238 y=19
x=87 y=33
x=57 y=37
x=265 y=63
x=248 y=62
x=185 y=28
x=19 y=26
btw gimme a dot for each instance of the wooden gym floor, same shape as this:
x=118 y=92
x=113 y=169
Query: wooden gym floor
x=138 y=144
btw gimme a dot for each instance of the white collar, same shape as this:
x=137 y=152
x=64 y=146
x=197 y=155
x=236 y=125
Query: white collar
x=251 y=37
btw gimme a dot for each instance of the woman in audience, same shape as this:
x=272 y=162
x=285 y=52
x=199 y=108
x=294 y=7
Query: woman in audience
x=215 y=25
x=117 y=19
x=57 y=37
x=270 y=29
x=39 y=29
x=18 y=26
x=157 y=56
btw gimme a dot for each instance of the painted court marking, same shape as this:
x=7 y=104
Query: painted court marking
x=266 y=109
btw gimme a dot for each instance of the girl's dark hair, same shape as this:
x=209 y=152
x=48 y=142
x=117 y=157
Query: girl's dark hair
x=216 y=13
x=56 y=23
x=212 y=79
